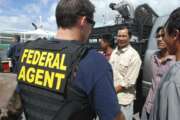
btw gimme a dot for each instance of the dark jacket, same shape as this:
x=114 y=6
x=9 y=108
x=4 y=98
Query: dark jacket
x=14 y=53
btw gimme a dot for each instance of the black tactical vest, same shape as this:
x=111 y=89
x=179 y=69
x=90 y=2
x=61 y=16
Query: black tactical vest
x=46 y=70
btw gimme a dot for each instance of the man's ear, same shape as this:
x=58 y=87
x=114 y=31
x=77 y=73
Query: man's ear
x=82 y=21
x=177 y=35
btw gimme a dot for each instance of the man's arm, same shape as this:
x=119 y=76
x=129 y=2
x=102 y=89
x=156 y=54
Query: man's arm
x=118 y=88
x=120 y=116
x=132 y=73
x=98 y=83
x=106 y=102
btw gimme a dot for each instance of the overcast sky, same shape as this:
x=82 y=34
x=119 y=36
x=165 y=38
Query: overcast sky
x=17 y=15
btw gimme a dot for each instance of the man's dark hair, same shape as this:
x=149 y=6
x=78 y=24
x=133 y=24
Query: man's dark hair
x=173 y=23
x=68 y=11
x=17 y=38
x=126 y=27
x=108 y=38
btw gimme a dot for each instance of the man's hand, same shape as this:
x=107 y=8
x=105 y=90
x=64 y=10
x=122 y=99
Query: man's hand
x=120 y=116
x=118 y=88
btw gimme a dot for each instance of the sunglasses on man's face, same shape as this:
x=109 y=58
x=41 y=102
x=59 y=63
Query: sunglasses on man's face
x=90 y=21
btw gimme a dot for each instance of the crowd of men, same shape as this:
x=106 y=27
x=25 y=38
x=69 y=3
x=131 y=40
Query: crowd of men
x=63 y=79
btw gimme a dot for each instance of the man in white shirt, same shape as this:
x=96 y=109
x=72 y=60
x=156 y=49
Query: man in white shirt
x=126 y=63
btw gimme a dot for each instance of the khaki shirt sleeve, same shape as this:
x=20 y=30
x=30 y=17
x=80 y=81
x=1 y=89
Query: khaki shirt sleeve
x=132 y=72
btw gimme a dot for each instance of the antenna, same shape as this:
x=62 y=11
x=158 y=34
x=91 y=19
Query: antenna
x=40 y=23
x=104 y=22
x=34 y=25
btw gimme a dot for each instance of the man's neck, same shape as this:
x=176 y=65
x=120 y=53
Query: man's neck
x=120 y=48
x=68 y=34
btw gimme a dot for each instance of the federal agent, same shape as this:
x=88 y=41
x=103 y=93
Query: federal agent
x=62 y=79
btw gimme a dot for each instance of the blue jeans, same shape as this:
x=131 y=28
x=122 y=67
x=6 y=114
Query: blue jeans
x=127 y=110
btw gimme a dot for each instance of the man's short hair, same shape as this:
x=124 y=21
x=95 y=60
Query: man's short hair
x=17 y=38
x=126 y=27
x=68 y=11
x=173 y=23
x=108 y=38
